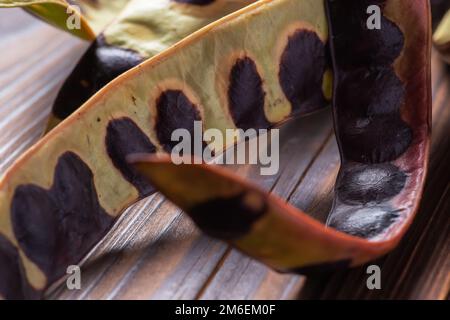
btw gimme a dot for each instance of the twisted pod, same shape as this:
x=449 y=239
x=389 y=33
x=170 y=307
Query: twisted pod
x=61 y=197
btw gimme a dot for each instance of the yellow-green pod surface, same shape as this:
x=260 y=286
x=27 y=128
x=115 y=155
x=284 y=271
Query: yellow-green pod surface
x=143 y=29
x=100 y=13
x=252 y=69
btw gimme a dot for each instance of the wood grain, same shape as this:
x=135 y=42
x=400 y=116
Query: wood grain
x=155 y=252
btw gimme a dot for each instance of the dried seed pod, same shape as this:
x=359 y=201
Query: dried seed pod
x=65 y=193
x=144 y=29
x=381 y=106
x=383 y=132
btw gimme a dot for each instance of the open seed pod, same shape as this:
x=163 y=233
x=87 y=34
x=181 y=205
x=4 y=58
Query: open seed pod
x=143 y=29
x=381 y=106
x=60 y=198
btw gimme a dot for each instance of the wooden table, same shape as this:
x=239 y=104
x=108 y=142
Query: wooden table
x=155 y=251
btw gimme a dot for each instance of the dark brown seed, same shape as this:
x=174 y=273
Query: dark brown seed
x=367 y=103
x=374 y=139
x=99 y=65
x=375 y=183
x=57 y=227
x=246 y=96
x=357 y=46
x=369 y=92
x=124 y=137
x=13 y=283
x=174 y=111
x=363 y=221
x=302 y=67
x=227 y=218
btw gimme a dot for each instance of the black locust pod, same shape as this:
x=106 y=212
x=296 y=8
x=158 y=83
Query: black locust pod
x=143 y=29
x=64 y=194
x=381 y=106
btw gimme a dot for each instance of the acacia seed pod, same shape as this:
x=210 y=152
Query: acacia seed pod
x=61 y=197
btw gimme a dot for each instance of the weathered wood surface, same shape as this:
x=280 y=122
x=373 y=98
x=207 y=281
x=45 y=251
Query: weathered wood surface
x=155 y=251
